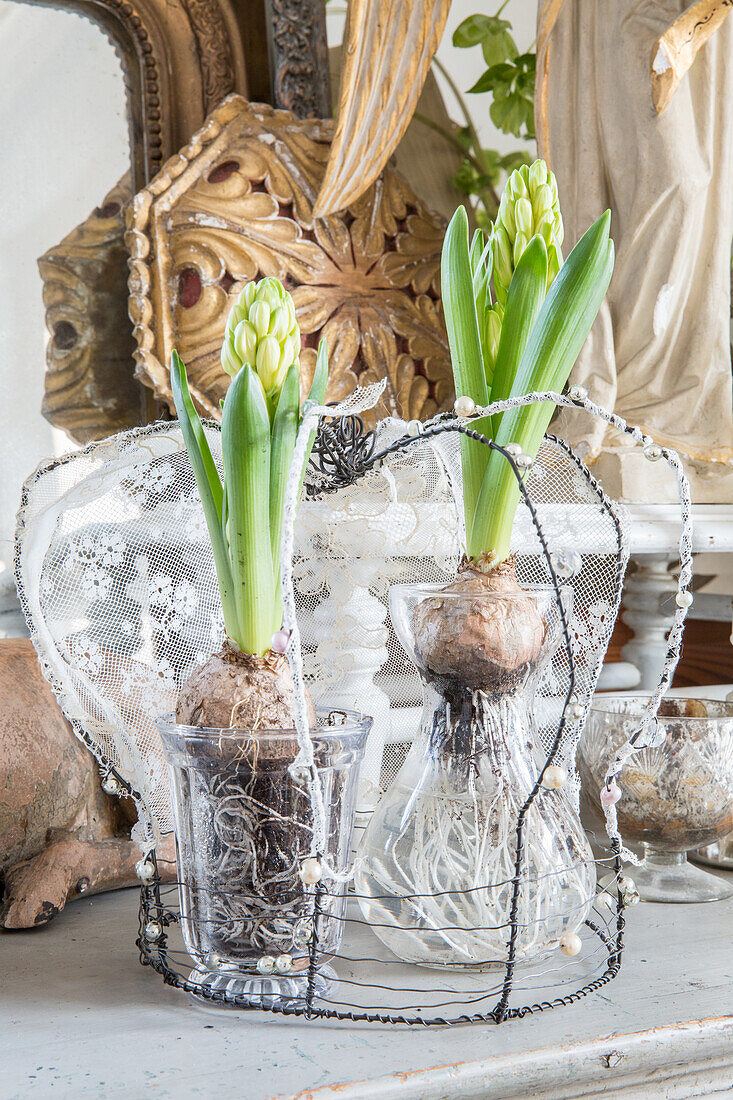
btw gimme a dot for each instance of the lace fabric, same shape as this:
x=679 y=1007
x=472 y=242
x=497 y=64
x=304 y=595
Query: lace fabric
x=116 y=578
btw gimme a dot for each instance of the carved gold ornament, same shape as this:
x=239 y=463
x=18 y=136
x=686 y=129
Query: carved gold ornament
x=89 y=389
x=237 y=204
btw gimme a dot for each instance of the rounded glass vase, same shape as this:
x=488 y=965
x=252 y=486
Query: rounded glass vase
x=438 y=861
x=244 y=834
x=675 y=796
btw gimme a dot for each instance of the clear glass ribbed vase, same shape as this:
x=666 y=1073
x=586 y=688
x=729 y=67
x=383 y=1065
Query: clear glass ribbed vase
x=438 y=860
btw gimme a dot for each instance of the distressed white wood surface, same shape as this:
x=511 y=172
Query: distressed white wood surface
x=655 y=528
x=79 y=1017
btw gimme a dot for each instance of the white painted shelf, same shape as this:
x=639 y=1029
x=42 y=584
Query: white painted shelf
x=79 y=1017
x=655 y=528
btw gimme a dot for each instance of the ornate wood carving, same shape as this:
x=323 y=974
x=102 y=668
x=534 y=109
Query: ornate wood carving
x=299 y=57
x=387 y=53
x=90 y=388
x=237 y=204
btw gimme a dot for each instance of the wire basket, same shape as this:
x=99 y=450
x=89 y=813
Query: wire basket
x=109 y=685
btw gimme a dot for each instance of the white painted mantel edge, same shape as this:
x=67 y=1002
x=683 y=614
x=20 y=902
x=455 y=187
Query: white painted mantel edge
x=655 y=528
x=692 y=1059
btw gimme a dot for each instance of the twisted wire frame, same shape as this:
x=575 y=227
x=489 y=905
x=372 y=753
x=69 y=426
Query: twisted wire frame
x=344 y=453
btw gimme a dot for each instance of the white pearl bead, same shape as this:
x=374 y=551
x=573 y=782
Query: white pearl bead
x=283 y=964
x=623 y=887
x=414 y=428
x=111 y=784
x=279 y=641
x=153 y=930
x=513 y=449
x=554 y=778
x=145 y=870
x=683 y=599
x=571 y=944
x=464 y=406
x=605 y=900
x=311 y=871
x=652 y=452
x=578 y=393
x=524 y=462
x=574 y=712
x=627 y=891
x=266 y=964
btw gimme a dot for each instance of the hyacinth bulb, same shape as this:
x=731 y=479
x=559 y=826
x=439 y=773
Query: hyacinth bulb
x=262 y=331
x=529 y=205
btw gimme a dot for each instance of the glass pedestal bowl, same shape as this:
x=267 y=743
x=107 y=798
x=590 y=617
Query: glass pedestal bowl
x=675 y=797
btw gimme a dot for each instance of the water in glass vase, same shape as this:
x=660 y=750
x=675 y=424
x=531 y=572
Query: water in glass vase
x=439 y=856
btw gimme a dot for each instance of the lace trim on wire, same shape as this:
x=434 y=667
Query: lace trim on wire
x=357 y=403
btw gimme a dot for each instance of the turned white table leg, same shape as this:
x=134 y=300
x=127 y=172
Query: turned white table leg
x=646 y=586
x=352 y=632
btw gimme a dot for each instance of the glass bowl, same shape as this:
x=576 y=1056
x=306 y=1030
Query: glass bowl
x=675 y=797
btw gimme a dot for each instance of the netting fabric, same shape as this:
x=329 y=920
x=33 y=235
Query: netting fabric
x=116 y=578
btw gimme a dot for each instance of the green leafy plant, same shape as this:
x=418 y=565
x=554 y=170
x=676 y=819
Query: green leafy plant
x=509 y=80
x=261 y=414
x=517 y=317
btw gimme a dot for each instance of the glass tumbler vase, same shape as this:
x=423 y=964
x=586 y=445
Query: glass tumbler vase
x=244 y=829
x=438 y=859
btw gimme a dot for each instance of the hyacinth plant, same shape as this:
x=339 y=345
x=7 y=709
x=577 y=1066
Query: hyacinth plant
x=261 y=414
x=517 y=317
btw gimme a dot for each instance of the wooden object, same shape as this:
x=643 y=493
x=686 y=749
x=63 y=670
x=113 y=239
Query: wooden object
x=648 y=600
x=61 y=836
x=423 y=157
x=237 y=204
x=388 y=48
x=178 y=57
x=299 y=57
x=707 y=653
x=90 y=390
